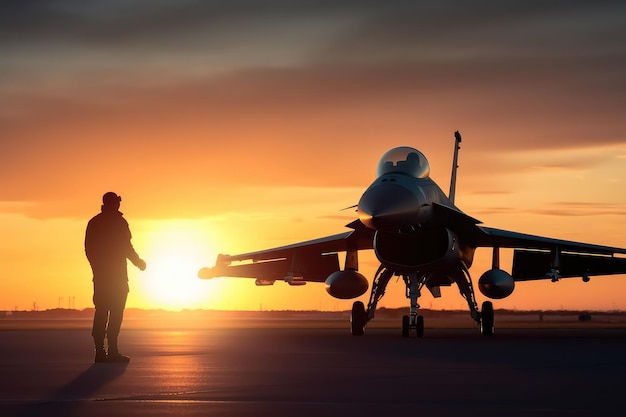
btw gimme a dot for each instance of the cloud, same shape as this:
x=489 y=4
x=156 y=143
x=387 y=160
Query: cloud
x=300 y=93
x=191 y=33
x=490 y=193
x=559 y=209
x=460 y=31
x=581 y=208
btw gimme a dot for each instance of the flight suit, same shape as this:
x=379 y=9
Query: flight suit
x=107 y=246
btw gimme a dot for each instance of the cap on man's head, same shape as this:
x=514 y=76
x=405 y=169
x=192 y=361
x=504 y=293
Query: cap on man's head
x=111 y=198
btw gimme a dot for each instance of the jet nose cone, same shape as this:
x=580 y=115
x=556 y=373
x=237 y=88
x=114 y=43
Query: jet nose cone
x=388 y=207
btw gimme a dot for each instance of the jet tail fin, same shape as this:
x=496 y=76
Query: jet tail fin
x=455 y=165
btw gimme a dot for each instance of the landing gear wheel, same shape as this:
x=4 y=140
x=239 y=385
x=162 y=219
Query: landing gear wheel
x=486 y=319
x=419 y=326
x=405 y=326
x=358 y=319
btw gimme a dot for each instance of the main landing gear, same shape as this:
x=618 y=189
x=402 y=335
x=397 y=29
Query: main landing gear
x=486 y=319
x=360 y=316
x=358 y=319
x=414 y=321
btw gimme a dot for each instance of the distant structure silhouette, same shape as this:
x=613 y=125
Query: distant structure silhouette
x=108 y=246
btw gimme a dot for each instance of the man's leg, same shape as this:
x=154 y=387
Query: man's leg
x=115 y=324
x=98 y=330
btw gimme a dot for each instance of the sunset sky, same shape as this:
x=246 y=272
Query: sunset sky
x=242 y=125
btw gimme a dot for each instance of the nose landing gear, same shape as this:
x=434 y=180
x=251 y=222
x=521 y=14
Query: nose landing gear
x=414 y=322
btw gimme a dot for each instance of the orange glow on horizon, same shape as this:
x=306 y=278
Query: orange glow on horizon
x=48 y=253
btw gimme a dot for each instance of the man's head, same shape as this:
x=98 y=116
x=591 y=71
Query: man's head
x=111 y=201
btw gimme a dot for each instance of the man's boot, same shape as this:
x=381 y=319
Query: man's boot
x=101 y=355
x=114 y=354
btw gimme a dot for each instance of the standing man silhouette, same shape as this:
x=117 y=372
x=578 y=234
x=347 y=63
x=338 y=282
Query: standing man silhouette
x=107 y=246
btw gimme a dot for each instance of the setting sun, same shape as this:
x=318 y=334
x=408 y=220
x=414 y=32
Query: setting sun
x=174 y=251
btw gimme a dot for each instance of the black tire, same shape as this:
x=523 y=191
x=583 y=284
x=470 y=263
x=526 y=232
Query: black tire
x=405 y=326
x=357 y=319
x=419 y=326
x=486 y=319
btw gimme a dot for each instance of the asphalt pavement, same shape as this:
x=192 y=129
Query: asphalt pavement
x=288 y=370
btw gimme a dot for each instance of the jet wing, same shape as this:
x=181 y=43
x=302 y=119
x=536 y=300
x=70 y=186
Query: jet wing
x=535 y=257
x=312 y=260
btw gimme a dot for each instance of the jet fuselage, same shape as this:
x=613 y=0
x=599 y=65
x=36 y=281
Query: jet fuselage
x=410 y=214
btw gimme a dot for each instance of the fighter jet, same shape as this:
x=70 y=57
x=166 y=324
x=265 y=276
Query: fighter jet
x=419 y=234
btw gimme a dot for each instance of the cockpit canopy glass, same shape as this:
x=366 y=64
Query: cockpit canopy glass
x=404 y=160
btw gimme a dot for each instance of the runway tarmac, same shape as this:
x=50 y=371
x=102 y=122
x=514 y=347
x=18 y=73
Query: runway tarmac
x=292 y=371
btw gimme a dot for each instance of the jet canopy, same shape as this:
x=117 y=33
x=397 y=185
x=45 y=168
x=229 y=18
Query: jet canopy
x=404 y=160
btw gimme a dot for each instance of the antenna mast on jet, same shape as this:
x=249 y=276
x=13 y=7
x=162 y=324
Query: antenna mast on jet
x=455 y=165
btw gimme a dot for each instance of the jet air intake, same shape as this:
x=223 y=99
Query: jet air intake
x=423 y=250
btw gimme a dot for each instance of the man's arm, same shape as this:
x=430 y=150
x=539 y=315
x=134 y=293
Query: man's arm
x=132 y=255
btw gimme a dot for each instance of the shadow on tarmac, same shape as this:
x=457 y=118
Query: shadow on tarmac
x=65 y=399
